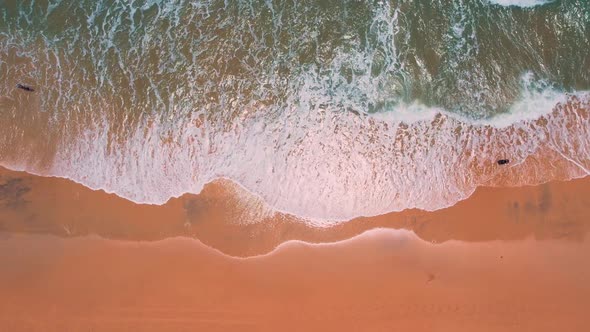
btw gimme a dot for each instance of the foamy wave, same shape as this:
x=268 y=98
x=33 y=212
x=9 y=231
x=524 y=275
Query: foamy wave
x=521 y=3
x=333 y=166
x=150 y=102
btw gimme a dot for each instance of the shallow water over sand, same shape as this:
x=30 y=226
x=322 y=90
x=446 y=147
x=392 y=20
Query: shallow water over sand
x=325 y=110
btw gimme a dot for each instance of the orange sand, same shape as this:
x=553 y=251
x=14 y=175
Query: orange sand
x=520 y=264
x=379 y=282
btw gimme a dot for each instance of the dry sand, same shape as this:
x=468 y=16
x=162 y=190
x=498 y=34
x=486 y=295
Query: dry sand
x=382 y=281
x=506 y=259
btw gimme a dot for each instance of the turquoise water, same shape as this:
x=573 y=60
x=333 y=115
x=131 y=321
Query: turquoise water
x=368 y=56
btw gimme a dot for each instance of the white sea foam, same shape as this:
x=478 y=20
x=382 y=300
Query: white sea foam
x=342 y=142
x=332 y=166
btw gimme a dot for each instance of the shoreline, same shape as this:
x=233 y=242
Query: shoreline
x=221 y=216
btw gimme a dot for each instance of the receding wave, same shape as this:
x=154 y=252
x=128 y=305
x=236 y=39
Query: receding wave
x=334 y=167
x=327 y=111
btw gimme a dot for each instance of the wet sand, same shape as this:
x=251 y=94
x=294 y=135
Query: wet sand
x=506 y=259
x=220 y=219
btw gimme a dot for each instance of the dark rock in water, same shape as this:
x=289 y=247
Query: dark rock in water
x=25 y=87
x=503 y=161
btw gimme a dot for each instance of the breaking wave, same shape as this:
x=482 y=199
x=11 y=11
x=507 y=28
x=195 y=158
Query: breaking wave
x=337 y=166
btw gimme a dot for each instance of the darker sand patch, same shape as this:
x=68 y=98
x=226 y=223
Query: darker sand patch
x=12 y=192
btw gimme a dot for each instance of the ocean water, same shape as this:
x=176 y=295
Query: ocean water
x=327 y=110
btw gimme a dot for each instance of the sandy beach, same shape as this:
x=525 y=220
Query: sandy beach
x=506 y=259
x=295 y=166
x=381 y=281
